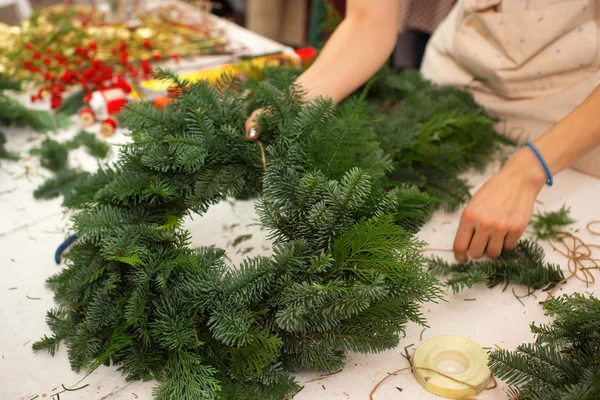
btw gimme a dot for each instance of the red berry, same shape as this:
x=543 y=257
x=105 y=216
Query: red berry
x=122 y=46
x=28 y=45
x=66 y=77
x=93 y=46
x=57 y=56
x=47 y=61
x=146 y=67
x=156 y=56
x=33 y=98
x=49 y=50
x=79 y=62
x=146 y=43
x=175 y=57
x=36 y=55
x=55 y=101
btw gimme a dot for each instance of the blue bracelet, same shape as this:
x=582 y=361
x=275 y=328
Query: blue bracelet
x=542 y=161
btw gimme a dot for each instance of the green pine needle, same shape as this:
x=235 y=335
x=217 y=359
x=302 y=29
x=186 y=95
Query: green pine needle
x=13 y=112
x=61 y=184
x=95 y=147
x=563 y=361
x=5 y=154
x=8 y=83
x=434 y=134
x=53 y=155
x=548 y=225
x=523 y=265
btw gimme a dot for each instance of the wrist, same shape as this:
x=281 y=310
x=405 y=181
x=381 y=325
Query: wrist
x=526 y=167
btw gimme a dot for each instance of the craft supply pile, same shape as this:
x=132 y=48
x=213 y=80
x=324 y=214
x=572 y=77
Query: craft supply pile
x=343 y=195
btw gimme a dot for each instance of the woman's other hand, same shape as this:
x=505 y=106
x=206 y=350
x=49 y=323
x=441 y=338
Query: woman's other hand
x=501 y=209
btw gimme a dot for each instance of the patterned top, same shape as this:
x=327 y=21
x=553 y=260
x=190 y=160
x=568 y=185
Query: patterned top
x=423 y=15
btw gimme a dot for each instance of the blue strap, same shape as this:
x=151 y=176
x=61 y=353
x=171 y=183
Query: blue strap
x=550 y=181
x=63 y=247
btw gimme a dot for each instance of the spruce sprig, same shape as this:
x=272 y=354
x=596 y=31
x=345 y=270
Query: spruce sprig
x=6 y=154
x=563 y=363
x=548 y=225
x=524 y=265
x=12 y=112
x=54 y=156
x=433 y=133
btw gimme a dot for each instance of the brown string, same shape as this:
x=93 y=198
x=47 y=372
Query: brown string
x=262 y=153
x=262 y=149
x=477 y=389
x=577 y=252
x=435 y=249
x=596 y=233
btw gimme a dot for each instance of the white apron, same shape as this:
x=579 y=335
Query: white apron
x=538 y=60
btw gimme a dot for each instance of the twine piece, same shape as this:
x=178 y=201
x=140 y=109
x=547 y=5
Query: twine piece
x=475 y=388
x=577 y=252
x=254 y=135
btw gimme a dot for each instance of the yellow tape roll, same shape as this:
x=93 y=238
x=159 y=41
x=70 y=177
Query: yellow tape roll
x=454 y=356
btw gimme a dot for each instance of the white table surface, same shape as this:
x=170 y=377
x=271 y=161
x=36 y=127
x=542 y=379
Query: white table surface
x=31 y=230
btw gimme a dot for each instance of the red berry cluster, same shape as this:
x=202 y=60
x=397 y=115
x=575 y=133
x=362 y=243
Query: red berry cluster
x=85 y=70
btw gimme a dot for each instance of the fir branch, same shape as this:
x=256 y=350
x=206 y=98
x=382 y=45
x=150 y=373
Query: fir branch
x=5 y=154
x=95 y=147
x=61 y=184
x=548 y=225
x=563 y=362
x=72 y=103
x=13 y=112
x=523 y=265
x=53 y=155
x=433 y=133
x=8 y=83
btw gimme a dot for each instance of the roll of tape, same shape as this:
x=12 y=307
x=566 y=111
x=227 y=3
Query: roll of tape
x=455 y=356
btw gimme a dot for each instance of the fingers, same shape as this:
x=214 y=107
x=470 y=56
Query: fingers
x=252 y=134
x=495 y=244
x=250 y=126
x=478 y=235
x=514 y=234
x=479 y=242
x=463 y=238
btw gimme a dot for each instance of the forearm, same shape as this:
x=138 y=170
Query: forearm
x=355 y=52
x=566 y=142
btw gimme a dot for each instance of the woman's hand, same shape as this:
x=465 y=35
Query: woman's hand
x=250 y=124
x=357 y=49
x=498 y=214
x=500 y=211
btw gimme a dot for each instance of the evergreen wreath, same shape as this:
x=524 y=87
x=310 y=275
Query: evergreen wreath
x=346 y=273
